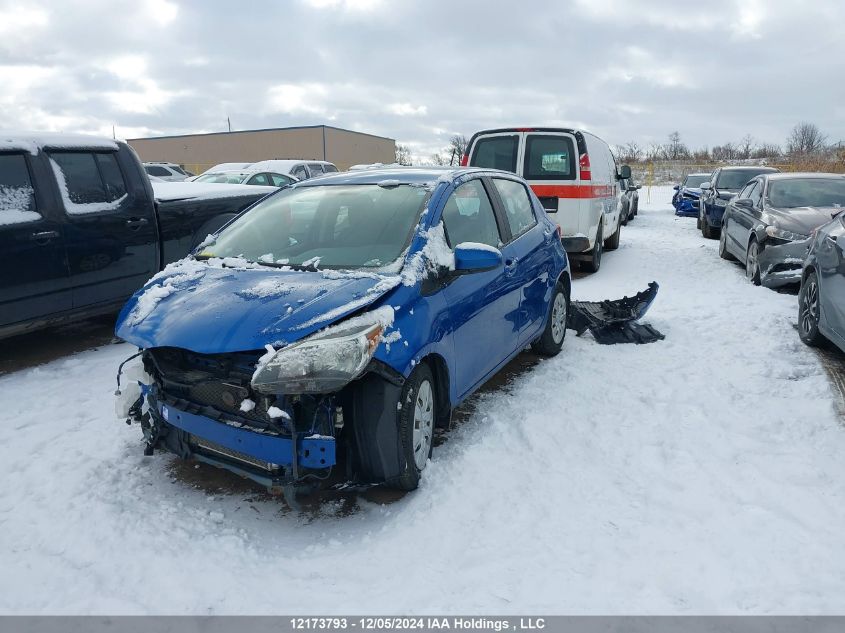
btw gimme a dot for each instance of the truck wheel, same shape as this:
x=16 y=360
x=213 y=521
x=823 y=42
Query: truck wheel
x=416 y=425
x=551 y=341
x=593 y=264
x=808 y=311
x=612 y=243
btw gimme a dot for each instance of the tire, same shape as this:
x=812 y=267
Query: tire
x=551 y=341
x=707 y=231
x=593 y=264
x=698 y=221
x=808 y=312
x=416 y=421
x=752 y=262
x=612 y=243
x=723 y=244
x=636 y=207
x=626 y=212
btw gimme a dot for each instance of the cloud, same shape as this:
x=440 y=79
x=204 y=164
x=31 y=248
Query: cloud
x=421 y=72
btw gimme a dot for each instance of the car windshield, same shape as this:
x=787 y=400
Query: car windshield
x=331 y=226
x=231 y=179
x=736 y=179
x=807 y=192
x=695 y=181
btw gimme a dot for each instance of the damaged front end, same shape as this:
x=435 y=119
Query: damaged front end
x=781 y=260
x=203 y=406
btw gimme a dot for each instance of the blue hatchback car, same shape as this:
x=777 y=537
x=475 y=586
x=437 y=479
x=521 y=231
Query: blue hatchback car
x=344 y=316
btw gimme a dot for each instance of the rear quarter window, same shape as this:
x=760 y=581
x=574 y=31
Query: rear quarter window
x=17 y=196
x=496 y=152
x=549 y=157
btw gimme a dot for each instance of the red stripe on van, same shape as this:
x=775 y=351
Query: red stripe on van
x=573 y=191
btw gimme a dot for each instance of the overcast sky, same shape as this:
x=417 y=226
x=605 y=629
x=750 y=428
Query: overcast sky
x=421 y=71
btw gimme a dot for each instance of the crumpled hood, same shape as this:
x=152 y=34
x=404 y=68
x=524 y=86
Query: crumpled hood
x=208 y=309
x=693 y=191
x=801 y=220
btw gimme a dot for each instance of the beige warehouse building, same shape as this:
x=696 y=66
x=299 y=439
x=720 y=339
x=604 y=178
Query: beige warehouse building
x=198 y=152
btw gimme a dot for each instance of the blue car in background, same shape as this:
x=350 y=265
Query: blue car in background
x=344 y=316
x=687 y=194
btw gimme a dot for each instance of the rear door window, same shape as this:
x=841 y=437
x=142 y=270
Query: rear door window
x=496 y=152
x=316 y=169
x=549 y=157
x=468 y=216
x=17 y=196
x=518 y=208
x=280 y=180
x=88 y=178
x=299 y=172
x=156 y=170
x=329 y=169
x=258 y=179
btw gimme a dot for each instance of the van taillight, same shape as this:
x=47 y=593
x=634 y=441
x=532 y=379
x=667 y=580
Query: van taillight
x=584 y=166
x=464 y=160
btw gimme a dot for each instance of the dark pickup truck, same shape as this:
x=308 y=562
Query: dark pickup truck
x=82 y=227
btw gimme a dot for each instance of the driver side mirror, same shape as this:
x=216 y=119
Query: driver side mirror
x=745 y=203
x=624 y=172
x=471 y=257
x=676 y=187
x=705 y=185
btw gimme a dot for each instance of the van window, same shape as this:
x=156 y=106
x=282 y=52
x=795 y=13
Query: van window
x=329 y=168
x=549 y=158
x=468 y=216
x=156 y=170
x=496 y=152
x=316 y=169
x=299 y=172
x=517 y=205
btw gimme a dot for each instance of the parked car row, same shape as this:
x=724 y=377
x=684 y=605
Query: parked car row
x=785 y=228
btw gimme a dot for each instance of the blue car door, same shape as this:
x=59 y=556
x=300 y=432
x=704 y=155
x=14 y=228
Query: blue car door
x=528 y=246
x=483 y=306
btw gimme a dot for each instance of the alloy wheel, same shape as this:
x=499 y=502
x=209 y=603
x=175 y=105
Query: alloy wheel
x=423 y=423
x=810 y=307
x=752 y=263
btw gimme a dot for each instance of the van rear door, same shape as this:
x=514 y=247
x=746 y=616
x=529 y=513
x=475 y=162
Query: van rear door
x=497 y=150
x=550 y=165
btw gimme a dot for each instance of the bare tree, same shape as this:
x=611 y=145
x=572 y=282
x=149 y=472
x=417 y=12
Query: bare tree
x=438 y=159
x=675 y=149
x=403 y=154
x=805 y=138
x=746 y=146
x=457 y=148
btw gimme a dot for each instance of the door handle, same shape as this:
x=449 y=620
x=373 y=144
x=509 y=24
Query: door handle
x=44 y=236
x=136 y=223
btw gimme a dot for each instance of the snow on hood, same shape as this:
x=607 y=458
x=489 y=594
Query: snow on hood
x=194 y=190
x=210 y=308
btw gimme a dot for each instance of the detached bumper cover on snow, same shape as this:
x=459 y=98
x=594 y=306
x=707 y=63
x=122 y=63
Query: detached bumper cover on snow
x=781 y=264
x=615 y=321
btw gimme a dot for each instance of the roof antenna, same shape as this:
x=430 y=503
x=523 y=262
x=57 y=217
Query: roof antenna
x=229 y=123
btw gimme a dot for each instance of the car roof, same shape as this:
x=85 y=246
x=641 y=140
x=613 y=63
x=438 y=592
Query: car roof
x=404 y=175
x=802 y=174
x=747 y=167
x=700 y=173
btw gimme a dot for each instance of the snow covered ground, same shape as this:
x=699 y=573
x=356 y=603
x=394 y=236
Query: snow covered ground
x=700 y=474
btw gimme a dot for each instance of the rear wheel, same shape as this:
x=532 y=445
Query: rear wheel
x=551 y=341
x=612 y=243
x=808 y=311
x=593 y=264
x=723 y=243
x=752 y=262
x=624 y=215
x=416 y=425
x=636 y=206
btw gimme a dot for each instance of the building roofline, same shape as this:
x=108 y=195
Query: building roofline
x=266 y=129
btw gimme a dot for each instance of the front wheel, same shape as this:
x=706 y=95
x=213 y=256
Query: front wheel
x=612 y=242
x=752 y=263
x=418 y=402
x=723 y=243
x=808 y=311
x=551 y=341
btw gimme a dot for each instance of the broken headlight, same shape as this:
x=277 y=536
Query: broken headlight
x=321 y=363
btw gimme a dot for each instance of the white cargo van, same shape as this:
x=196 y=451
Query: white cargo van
x=574 y=175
